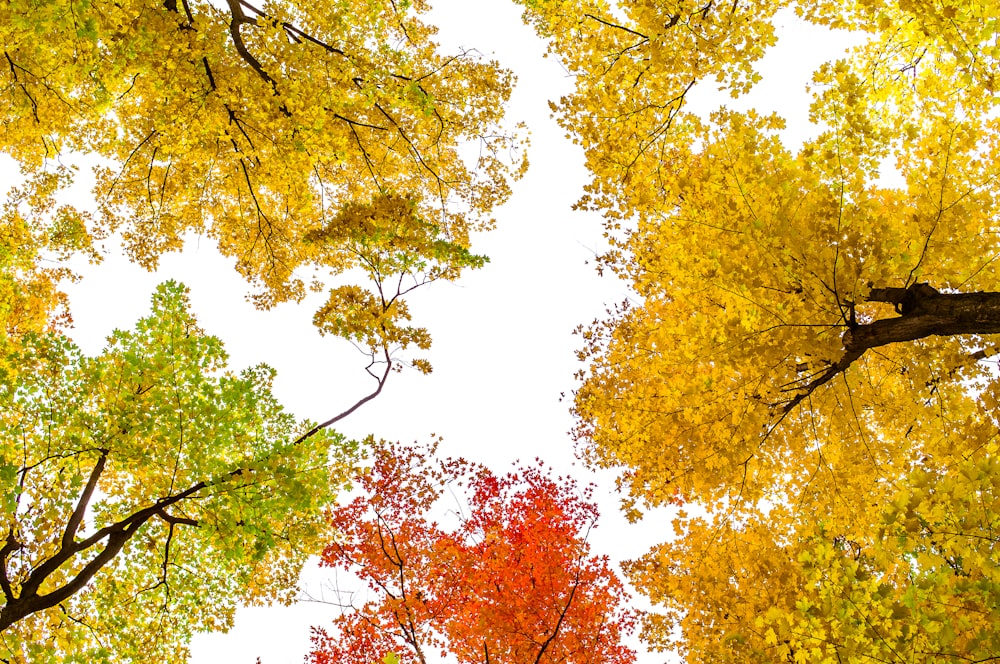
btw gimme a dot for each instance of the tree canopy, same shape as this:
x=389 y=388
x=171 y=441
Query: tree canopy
x=807 y=358
x=148 y=490
x=807 y=366
x=305 y=139
x=513 y=582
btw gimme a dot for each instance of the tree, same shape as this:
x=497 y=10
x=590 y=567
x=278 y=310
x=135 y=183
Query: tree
x=146 y=491
x=808 y=354
x=299 y=136
x=514 y=581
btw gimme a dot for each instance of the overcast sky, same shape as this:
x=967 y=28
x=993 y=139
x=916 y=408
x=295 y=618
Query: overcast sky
x=503 y=350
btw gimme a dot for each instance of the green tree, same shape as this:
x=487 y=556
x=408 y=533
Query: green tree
x=147 y=490
x=808 y=357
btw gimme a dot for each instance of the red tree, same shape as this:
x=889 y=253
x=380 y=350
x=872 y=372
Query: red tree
x=514 y=582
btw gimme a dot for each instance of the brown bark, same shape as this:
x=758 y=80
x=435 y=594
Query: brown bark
x=924 y=312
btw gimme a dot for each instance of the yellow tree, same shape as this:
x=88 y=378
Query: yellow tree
x=296 y=135
x=807 y=360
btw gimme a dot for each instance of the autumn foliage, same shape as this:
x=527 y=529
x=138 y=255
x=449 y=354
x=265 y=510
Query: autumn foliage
x=513 y=581
x=810 y=353
x=808 y=357
x=146 y=491
x=305 y=139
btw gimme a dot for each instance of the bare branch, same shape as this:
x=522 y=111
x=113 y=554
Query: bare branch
x=76 y=518
x=336 y=418
x=175 y=520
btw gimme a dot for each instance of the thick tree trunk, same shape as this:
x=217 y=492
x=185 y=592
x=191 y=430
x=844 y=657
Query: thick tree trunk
x=925 y=312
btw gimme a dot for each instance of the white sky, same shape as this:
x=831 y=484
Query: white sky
x=503 y=350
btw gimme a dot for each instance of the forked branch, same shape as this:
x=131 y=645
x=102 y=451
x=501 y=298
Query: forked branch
x=924 y=312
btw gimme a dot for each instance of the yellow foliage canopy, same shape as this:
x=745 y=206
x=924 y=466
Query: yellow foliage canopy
x=257 y=125
x=808 y=358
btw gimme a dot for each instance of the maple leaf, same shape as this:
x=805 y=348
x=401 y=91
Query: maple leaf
x=514 y=581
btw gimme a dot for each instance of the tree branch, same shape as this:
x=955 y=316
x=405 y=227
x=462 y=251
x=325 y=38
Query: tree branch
x=924 y=312
x=336 y=418
x=238 y=18
x=76 y=518
x=10 y=546
x=117 y=534
x=619 y=27
x=562 y=616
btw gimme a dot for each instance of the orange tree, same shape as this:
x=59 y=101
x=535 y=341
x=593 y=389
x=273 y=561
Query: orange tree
x=512 y=582
x=808 y=357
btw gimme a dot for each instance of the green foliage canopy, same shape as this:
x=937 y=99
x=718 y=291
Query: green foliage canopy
x=147 y=490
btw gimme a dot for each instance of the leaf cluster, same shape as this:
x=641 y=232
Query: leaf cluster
x=513 y=582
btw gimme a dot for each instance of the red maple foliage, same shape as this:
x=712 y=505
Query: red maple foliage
x=512 y=583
